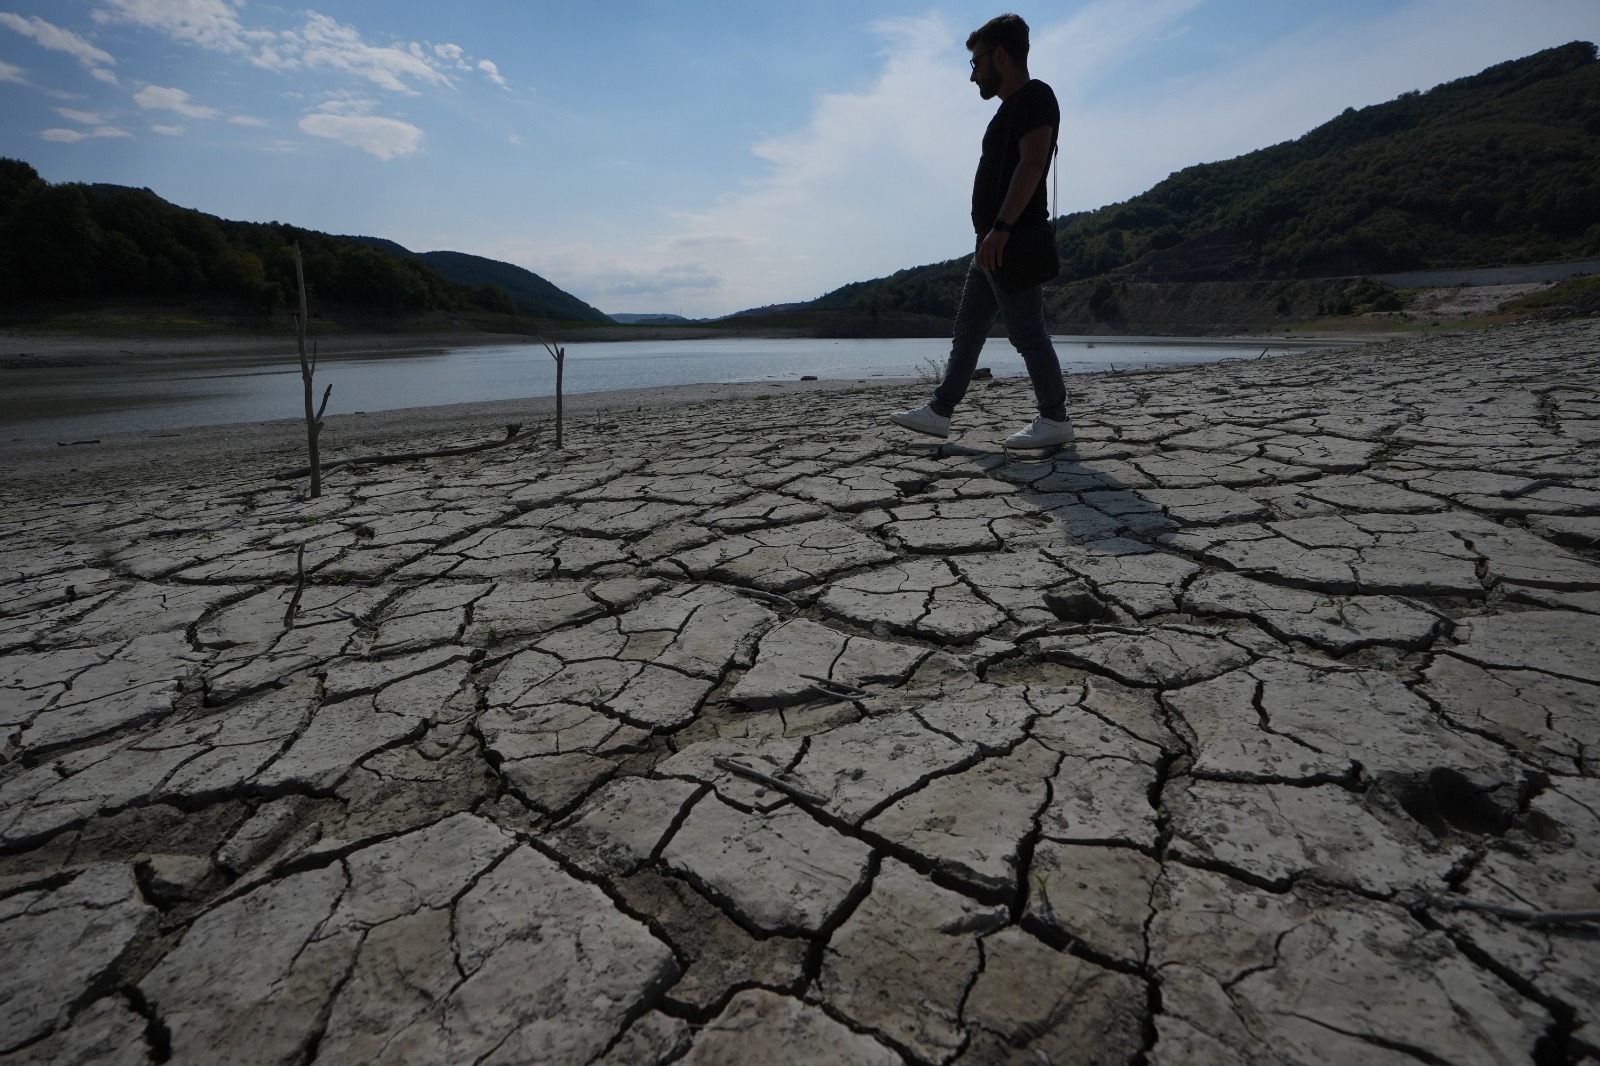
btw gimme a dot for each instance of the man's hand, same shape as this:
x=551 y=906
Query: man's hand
x=991 y=253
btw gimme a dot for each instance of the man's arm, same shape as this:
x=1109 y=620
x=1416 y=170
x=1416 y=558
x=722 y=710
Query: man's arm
x=1035 y=146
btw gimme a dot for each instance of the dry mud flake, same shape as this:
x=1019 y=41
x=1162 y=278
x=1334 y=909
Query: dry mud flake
x=1562 y=643
x=1162 y=656
x=970 y=826
x=1550 y=718
x=448 y=944
x=60 y=943
x=1550 y=868
x=1251 y=976
x=1302 y=719
x=1033 y=1004
x=917 y=596
x=796 y=652
x=903 y=961
x=1096 y=895
x=782 y=872
x=1279 y=833
x=1335 y=624
x=760 y=1026
x=789 y=557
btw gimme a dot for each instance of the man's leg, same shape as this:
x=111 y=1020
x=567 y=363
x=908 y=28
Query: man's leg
x=1025 y=327
x=974 y=317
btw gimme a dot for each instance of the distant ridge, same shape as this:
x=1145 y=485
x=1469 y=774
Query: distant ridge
x=532 y=295
x=658 y=318
x=100 y=243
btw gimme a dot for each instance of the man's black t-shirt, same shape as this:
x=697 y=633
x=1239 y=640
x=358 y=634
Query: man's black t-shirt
x=1028 y=108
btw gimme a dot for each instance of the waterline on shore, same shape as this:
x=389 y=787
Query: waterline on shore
x=69 y=402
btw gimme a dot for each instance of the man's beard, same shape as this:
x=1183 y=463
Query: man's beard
x=989 y=86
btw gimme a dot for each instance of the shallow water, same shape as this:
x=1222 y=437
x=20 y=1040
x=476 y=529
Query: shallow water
x=81 y=402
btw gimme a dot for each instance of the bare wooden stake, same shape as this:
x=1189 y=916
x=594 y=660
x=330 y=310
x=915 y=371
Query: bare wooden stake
x=308 y=369
x=560 y=356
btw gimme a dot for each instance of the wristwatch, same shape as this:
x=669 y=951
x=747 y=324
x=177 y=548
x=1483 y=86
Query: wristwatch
x=1002 y=225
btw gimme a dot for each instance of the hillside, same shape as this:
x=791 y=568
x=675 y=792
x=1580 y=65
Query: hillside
x=91 y=245
x=1499 y=168
x=532 y=295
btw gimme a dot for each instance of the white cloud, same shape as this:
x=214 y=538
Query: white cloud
x=62 y=136
x=492 y=72
x=451 y=53
x=386 y=138
x=87 y=118
x=12 y=73
x=53 y=37
x=101 y=74
x=167 y=131
x=157 y=97
x=248 y=120
x=325 y=43
x=209 y=23
x=877 y=180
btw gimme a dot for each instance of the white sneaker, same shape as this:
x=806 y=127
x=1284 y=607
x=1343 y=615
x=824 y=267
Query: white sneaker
x=923 y=420
x=1044 y=433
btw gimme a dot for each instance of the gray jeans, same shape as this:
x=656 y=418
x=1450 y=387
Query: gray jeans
x=1023 y=312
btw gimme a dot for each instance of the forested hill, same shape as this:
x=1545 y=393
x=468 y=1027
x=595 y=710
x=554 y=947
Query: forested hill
x=77 y=242
x=1499 y=168
x=532 y=295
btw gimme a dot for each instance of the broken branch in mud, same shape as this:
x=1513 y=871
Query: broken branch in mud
x=513 y=433
x=767 y=779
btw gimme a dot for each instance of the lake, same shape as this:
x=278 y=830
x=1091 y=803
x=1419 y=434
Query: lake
x=75 y=403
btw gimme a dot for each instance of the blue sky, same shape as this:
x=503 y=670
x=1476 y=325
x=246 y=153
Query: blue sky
x=698 y=157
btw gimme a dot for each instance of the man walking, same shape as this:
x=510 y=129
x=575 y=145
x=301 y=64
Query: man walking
x=1008 y=195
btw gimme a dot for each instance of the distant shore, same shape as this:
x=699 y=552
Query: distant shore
x=22 y=349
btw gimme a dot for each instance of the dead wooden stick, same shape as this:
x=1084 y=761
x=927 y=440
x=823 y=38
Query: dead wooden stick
x=767 y=779
x=308 y=370
x=560 y=356
x=513 y=432
x=1518 y=914
x=299 y=587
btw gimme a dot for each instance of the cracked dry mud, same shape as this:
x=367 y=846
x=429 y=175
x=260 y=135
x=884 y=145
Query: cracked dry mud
x=1264 y=728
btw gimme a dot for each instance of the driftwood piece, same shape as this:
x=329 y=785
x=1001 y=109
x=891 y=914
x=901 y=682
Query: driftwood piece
x=513 y=433
x=767 y=779
x=299 y=587
x=1518 y=914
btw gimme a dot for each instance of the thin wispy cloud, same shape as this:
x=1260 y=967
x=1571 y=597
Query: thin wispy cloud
x=48 y=35
x=11 y=73
x=323 y=43
x=65 y=136
x=208 y=23
x=317 y=44
x=87 y=118
x=163 y=98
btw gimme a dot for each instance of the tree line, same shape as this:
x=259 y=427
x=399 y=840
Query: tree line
x=72 y=240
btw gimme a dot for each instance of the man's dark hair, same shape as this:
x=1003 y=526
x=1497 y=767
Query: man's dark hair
x=1003 y=31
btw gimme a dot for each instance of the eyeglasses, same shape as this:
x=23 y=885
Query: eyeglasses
x=973 y=62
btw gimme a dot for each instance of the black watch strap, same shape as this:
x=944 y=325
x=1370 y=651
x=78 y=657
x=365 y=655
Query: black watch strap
x=1002 y=225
